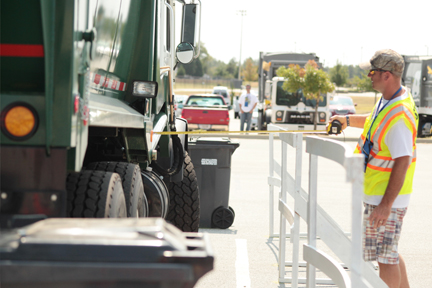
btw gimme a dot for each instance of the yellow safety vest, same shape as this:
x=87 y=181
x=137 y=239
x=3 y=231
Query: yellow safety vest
x=380 y=162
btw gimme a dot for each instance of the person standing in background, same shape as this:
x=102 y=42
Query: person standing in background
x=236 y=107
x=247 y=104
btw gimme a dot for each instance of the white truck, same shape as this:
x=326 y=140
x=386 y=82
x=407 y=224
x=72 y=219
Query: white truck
x=289 y=110
x=417 y=77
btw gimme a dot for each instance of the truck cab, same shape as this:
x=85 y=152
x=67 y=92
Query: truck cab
x=417 y=77
x=290 y=110
x=293 y=111
x=86 y=91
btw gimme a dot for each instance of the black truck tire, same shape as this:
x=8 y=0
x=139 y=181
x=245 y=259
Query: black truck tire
x=184 y=208
x=95 y=194
x=136 y=201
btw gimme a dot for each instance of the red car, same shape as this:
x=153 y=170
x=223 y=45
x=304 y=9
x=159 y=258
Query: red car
x=206 y=112
x=342 y=105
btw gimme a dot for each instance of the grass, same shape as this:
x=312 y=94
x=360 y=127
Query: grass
x=364 y=104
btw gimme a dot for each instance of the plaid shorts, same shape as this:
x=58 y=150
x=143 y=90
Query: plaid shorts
x=381 y=244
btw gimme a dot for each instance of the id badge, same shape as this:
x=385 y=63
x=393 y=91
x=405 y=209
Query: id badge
x=367 y=147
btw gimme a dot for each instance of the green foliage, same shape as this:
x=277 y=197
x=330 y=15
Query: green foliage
x=313 y=81
x=181 y=70
x=363 y=83
x=339 y=74
x=354 y=71
x=232 y=68
x=250 y=70
x=194 y=68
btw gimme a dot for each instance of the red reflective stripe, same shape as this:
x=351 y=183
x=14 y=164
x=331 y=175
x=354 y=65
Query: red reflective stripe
x=373 y=167
x=358 y=147
x=109 y=83
x=21 y=50
x=122 y=85
x=114 y=84
x=379 y=168
x=380 y=157
x=97 y=78
x=388 y=123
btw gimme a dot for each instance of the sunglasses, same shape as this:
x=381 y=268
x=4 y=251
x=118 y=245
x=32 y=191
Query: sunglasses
x=372 y=72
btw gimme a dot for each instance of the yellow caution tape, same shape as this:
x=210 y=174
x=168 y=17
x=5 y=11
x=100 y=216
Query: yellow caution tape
x=238 y=132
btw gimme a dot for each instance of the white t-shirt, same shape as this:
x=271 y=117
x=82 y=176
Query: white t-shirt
x=399 y=141
x=247 y=101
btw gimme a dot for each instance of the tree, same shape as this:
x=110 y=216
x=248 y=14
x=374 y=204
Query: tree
x=314 y=82
x=232 y=68
x=250 y=70
x=194 y=68
x=364 y=83
x=181 y=70
x=339 y=74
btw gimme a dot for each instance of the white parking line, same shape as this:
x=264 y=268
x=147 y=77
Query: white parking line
x=242 y=264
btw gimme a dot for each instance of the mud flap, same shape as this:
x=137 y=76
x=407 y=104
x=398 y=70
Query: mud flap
x=181 y=126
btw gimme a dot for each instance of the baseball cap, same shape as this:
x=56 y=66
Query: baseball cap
x=387 y=60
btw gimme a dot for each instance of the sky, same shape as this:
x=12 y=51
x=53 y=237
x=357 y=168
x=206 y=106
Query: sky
x=346 y=31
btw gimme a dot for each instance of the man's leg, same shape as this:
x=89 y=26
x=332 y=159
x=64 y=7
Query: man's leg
x=394 y=275
x=249 y=121
x=390 y=274
x=381 y=245
x=404 y=276
x=242 y=120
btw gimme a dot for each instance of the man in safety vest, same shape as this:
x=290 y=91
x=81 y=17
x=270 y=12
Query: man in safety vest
x=388 y=143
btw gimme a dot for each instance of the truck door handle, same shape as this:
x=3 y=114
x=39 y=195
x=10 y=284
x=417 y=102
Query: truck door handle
x=205 y=111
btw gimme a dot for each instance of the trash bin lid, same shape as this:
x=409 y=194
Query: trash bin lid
x=213 y=141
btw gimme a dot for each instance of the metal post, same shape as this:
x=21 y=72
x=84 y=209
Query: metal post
x=282 y=233
x=271 y=187
x=241 y=13
x=312 y=215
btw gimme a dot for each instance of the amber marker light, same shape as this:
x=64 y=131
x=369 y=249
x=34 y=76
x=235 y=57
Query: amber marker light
x=19 y=122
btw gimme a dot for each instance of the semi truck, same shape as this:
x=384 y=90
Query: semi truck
x=417 y=77
x=86 y=89
x=289 y=110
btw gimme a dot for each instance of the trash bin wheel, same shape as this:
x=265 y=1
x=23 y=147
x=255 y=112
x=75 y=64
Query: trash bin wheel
x=95 y=194
x=136 y=200
x=232 y=210
x=223 y=217
x=184 y=210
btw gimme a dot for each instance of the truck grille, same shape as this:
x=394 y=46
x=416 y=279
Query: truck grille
x=300 y=118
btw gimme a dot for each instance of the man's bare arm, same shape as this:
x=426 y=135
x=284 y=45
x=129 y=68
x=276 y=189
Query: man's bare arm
x=355 y=120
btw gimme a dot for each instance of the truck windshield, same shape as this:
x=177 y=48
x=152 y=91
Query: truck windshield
x=204 y=101
x=292 y=99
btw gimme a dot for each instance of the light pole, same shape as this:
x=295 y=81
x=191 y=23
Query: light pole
x=241 y=13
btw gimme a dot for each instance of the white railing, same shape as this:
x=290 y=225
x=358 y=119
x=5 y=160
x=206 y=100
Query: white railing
x=320 y=224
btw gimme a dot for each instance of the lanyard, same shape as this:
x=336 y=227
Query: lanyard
x=376 y=114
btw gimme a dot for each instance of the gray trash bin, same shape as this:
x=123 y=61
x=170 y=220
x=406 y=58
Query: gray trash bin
x=117 y=253
x=211 y=158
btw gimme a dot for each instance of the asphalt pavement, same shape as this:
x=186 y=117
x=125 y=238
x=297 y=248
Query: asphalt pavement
x=245 y=255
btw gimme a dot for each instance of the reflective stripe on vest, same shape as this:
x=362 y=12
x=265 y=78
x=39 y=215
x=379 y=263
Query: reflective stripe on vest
x=380 y=163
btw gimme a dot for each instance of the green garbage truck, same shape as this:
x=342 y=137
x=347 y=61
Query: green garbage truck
x=86 y=85
x=92 y=195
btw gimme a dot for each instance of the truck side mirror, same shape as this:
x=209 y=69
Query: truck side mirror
x=189 y=25
x=267 y=91
x=185 y=53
